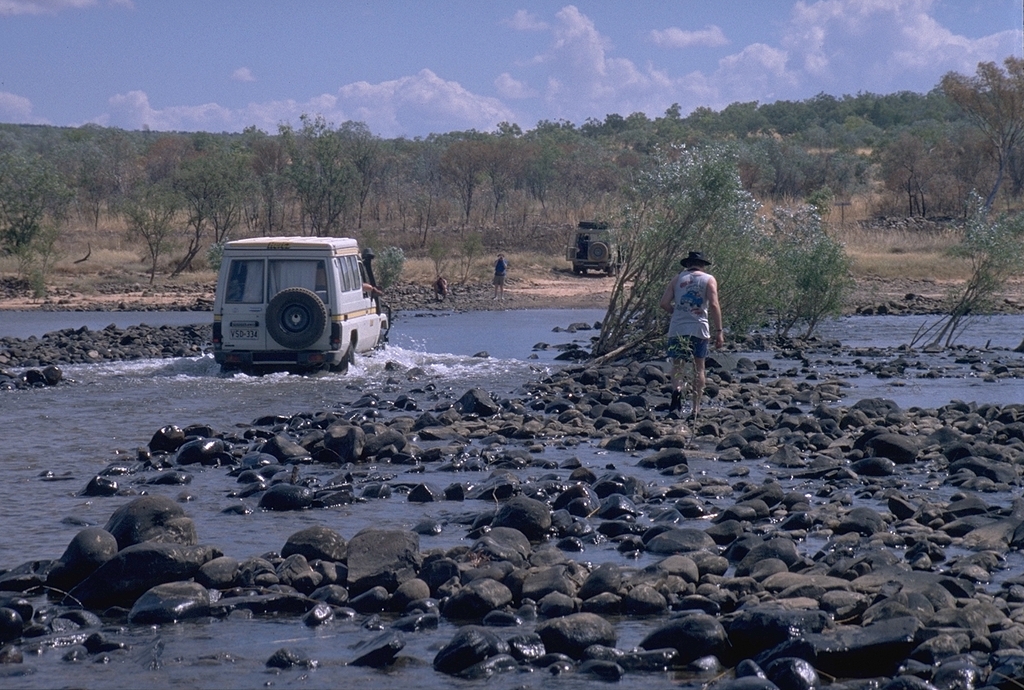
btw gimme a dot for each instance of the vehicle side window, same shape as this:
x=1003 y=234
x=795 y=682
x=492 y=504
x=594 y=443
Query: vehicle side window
x=245 y=281
x=304 y=273
x=349 y=273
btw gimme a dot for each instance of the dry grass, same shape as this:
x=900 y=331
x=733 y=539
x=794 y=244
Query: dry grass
x=912 y=254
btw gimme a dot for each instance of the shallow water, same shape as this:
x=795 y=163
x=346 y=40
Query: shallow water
x=74 y=431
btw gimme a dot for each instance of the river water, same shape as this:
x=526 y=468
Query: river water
x=54 y=440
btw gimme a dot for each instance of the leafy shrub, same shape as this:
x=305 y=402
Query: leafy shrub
x=387 y=266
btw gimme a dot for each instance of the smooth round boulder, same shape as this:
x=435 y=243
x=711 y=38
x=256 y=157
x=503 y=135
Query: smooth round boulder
x=469 y=646
x=572 y=634
x=528 y=515
x=477 y=599
x=316 y=542
x=151 y=518
x=90 y=548
x=385 y=558
x=170 y=602
x=693 y=636
x=284 y=497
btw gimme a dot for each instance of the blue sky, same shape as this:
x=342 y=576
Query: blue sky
x=412 y=67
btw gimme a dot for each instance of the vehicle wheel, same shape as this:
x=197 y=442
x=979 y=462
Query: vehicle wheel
x=346 y=360
x=296 y=318
x=598 y=251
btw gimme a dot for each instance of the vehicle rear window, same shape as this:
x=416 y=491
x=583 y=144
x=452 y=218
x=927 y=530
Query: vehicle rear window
x=304 y=273
x=245 y=281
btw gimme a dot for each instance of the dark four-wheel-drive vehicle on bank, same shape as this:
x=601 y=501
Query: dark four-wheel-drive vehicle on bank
x=593 y=248
x=295 y=304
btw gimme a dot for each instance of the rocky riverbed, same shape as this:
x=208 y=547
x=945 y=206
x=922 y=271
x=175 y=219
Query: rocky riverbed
x=789 y=541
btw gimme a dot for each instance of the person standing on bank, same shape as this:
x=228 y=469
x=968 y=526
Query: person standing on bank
x=500 y=267
x=691 y=297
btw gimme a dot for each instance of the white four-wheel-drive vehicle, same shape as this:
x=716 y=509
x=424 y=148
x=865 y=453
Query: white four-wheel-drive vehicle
x=295 y=304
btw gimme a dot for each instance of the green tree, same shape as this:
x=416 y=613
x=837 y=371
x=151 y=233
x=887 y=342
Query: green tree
x=388 y=266
x=994 y=101
x=692 y=199
x=32 y=197
x=149 y=212
x=472 y=248
x=321 y=174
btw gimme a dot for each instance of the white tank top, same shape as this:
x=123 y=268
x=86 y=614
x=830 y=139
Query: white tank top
x=690 y=300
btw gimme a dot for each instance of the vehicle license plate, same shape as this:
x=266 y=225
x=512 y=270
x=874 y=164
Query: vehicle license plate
x=244 y=334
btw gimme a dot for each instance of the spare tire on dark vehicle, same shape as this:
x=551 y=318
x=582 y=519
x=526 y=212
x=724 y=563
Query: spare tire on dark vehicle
x=296 y=318
x=598 y=251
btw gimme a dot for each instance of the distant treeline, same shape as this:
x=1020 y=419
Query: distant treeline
x=908 y=153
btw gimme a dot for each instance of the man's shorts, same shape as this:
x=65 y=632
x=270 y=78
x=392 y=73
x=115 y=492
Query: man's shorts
x=687 y=347
x=499 y=279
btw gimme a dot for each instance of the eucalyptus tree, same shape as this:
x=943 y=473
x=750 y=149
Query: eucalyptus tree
x=211 y=185
x=33 y=199
x=321 y=174
x=149 y=211
x=993 y=99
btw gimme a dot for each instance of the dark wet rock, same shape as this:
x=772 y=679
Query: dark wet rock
x=373 y=600
x=90 y=548
x=288 y=658
x=601 y=669
x=335 y=595
x=527 y=515
x=792 y=673
x=896 y=447
x=874 y=466
x=320 y=614
x=527 y=647
x=853 y=651
x=203 y=451
x=477 y=401
x=285 y=450
x=218 y=573
x=572 y=634
x=384 y=558
x=286 y=497
x=664 y=458
x=470 y=645
x=503 y=544
x=169 y=602
x=167 y=439
x=11 y=625
x=345 y=441
x=101 y=486
x=644 y=600
x=135 y=569
x=151 y=518
x=296 y=572
x=680 y=540
x=379 y=651
x=861 y=520
x=477 y=599
x=693 y=635
x=753 y=630
x=316 y=542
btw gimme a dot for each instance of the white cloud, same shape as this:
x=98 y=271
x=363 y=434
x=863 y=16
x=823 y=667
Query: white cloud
x=18 y=109
x=242 y=74
x=673 y=37
x=13 y=7
x=413 y=105
x=508 y=87
x=525 y=21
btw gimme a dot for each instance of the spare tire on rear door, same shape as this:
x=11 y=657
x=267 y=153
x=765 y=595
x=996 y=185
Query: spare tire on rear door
x=598 y=251
x=296 y=318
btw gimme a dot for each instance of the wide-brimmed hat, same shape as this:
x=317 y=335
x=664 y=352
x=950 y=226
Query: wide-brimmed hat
x=695 y=258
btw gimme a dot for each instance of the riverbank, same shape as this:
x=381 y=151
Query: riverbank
x=550 y=289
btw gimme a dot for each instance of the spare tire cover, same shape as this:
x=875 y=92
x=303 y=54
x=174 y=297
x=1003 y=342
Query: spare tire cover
x=296 y=318
x=598 y=251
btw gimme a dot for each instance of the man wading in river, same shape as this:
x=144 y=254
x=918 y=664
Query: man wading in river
x=691 y=298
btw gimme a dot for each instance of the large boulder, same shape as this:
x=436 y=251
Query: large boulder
x=151 y=518
x=316 y=542
x=135 y=569
x=169 y=602
x=91 y=548
x=572 y=634
x=693 y=636
x=384 y=558
x=528 y=515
